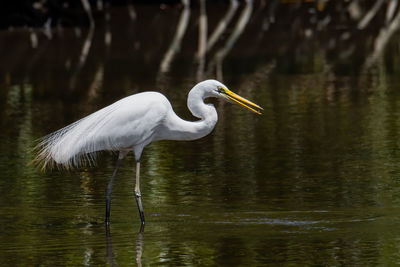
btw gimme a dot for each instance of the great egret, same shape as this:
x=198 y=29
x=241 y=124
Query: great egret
x=132 y=123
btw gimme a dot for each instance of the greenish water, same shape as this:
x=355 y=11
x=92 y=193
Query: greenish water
x=313 y=181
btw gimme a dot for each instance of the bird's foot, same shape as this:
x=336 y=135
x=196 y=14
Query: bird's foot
x=137 y=194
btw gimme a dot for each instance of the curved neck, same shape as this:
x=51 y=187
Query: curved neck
x=179 y=129
x=196 y=105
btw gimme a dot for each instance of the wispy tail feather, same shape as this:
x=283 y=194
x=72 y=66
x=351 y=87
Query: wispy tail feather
x=47 y=157
x=56 y=150
x=77 y=143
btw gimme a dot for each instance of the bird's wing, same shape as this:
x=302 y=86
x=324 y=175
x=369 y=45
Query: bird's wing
x=121 y=125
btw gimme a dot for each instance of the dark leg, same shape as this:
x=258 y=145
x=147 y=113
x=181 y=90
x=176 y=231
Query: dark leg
x=138 y=194
x=109 y=190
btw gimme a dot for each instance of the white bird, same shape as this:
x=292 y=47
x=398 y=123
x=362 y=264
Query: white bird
x=132 y=123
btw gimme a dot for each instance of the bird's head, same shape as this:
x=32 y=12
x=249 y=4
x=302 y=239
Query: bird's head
x=219 y=90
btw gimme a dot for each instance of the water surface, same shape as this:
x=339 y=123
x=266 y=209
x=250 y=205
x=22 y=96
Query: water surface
x=313 y=181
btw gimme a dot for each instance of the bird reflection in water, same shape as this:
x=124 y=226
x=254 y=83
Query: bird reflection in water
x=139 y=246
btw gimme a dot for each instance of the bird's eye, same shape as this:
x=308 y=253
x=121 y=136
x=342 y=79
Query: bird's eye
x=220 y=89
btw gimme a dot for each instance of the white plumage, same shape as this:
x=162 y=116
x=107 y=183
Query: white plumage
x=122 y=125
x=132 y=123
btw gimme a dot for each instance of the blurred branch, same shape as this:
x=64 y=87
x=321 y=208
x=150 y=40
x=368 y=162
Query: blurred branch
x=83 y=56
x=33 y=38
x=382 y=40
x=47 y=29
x=96 y=84
x=86 y=48
x=176 y=42
x=237 y=31
x=370 y=15
x=391 y=10
x=131 y=11
x=201 y=52
x=88 y=10
x=107 y=28
x=223 y=24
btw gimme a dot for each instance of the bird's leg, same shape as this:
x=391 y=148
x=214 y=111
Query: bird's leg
x=109 y=190
x=138 y=194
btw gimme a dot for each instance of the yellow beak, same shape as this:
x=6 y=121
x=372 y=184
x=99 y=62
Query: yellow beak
x=243 y=102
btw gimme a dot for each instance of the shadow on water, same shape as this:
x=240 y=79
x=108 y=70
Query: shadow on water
x=314 y=181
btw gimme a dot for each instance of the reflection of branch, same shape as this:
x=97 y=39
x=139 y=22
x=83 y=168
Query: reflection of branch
x=86 y=48
x=261 y=73
x=237 y=31
x=96 y=83
x=201 y=52
x=84 y=53
x=370 y=15
x=272 y=11
x=241 y=24
x=86 y=6
x=390 y=10
x=176 y=42
x=131 y=11
x=221 y=27
x=107 y=28
x=34 y=38
x=99 y=4
x=383 y=38
x=47 y=29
